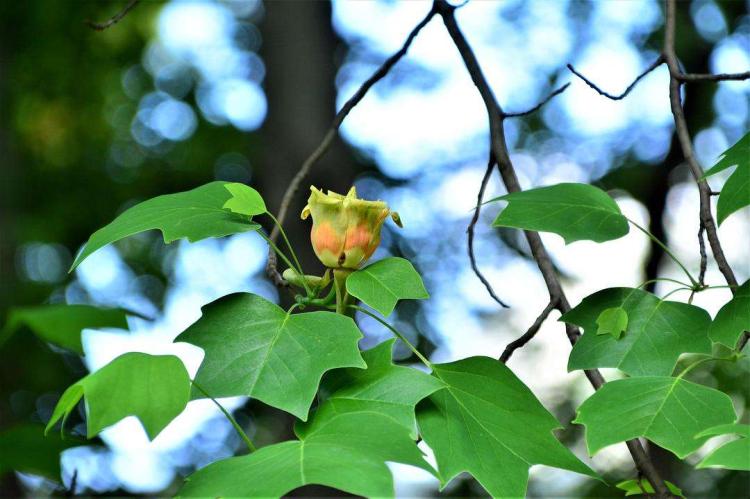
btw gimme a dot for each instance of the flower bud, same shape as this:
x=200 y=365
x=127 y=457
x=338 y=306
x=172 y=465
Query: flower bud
x=346 y=230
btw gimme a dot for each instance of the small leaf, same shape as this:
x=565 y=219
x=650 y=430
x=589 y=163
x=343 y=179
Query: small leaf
x=612 y=321
x=245 y=200
x=574 y=211
x=668 y=411
x=382 y=284
x=735 y=194
x=734 y=455
x=24 y=448
x=659 y=331
x=487 y=422
x=154 y=388
x=643 y=487
x=60 y=324
x=195 y=215
x=733 y=319
x=254 y=348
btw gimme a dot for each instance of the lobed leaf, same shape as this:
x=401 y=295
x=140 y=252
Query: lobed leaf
x=612 y=321
x=643 y=487
x=668 y=411
x=733 y=318
x=25 y=448
x=735 y=194
x=382 y=284
x=254 y=348
x=658 y=332
x=734 y=455
x=245 y=200
x=574 y=211
x=154 y=388
x=487 y=422
x=196 y=214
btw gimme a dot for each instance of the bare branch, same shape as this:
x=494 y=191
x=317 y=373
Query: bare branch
x=529 y=334
x=704 y=257
x=331 y=134
x=470 y=232
x=686 y=77
x=658 y=62
x=112 y=20
x=539 y=106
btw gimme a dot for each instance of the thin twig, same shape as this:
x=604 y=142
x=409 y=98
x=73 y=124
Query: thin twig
x=529 y=334
x=470 y=233
x=71 y=492
x=713 y=77
x=658 y=62
x=112 y=20
x=538 y=106
x=331 y=134
x=704 y=256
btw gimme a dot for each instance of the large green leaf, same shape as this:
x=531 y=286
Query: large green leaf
x=735 y=194
x=346 y=451
x=382 y=284
x=487 y=422
x=668 y=411
x=254 y=348
x=657 y=333
x=195 y=215
x=734 y=455
x=574 y=211
x=154 y=388
x=733 y=319
x=62 y=324
x=25 y=448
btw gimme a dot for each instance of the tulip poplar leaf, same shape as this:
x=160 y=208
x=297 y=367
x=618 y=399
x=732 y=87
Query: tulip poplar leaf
x=254 y=348
x=733 y=319
x=488 y=423
x=245 y=200
x=735 y=194
x=382 y=284
x=733 y=455
x=642 y=486
x=612 y=321
x=668 y=411
x=196 y=214
x=574 y=211
x=61 y=324
x=154 y=388
x=658 y=332
x=25 y=448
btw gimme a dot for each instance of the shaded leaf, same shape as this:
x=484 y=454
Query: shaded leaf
x=382 y=284
x=733 y=319
x=574 y=211
x=643 y=487
x=668 y=411
x=154 y=388
x=195 y=215
x=612 y=321
x=25 y=448
x=735 y=194
x=245 y=200
x=734 y=455
x=487 y=422
x=659 y=331
x=254 y=348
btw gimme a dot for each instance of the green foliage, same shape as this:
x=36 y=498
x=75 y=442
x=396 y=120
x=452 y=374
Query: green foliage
x=487 y=422
x=254 y=348
x=643 y=487
x=25 y=448
x=245 y=200
x=733 y=319
x=735 y=194
x=154 y=388
x=574 y=211
x=612 y=321
x=61 y=324
x=658 y=332
x=668 y=411
x=195 y=215
x=734 y=455
x=382 y=284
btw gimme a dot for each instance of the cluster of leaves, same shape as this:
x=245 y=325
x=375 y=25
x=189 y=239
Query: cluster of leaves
x=356 y=410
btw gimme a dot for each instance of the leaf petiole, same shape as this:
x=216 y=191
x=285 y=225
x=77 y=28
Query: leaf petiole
x=231 y=419
x=694 y=284
x=273 y=246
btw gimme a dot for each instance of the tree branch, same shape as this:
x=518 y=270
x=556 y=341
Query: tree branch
x=529 y=334
x=318 y=153
x=539 y=106
x=658 y=62
x=686 y=77
x=112 y=20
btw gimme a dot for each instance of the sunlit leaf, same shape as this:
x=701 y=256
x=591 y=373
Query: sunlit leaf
x=245 y=200
x=487 y=422
x=668 y=411
x=382 y=284
x=735 y=194
x=154 y=388
x=643 y=487
x=612 y=321
x=574 y=211
x=733 y=319
x=195 y=215
x=658 y=332
x=25 y=448
x=254 y=348
x=734 y=455
x=62 y=324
